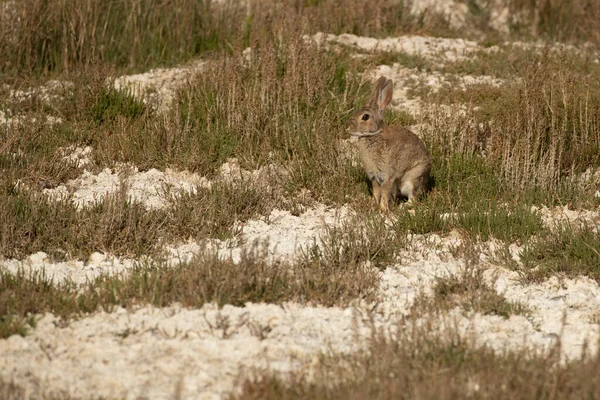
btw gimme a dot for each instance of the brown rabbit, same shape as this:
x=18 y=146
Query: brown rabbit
x=395 y=159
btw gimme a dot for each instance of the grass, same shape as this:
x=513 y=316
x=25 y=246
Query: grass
x=120 y=226
x=60 y=36
x=112 y=104
x=36 y=224
x=568 y=252
x=414 y=61
x=541 y=128
x=9 y=390
x=418 y=363
x=55 y=37
x=506 y=62
x=470 y=291
x=469 y=288
x=335 y=275
x=566 y=22
x=208 y=279
x=287 y=105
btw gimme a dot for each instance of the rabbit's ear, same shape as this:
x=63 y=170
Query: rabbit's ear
x=385 y=94
x=377 y=92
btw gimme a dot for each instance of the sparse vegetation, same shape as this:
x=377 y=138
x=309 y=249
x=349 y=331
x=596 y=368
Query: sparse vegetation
x=286 y=104
x=420 y=363
x=120 y=226
x=336 y=276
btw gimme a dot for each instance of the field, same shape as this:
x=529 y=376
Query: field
x=183 y=215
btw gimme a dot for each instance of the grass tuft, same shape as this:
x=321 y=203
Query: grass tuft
x=470 y=291
x=567 y=251
x=112 y=103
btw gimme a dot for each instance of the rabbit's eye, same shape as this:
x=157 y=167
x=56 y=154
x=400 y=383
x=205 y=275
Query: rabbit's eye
x=365 y=117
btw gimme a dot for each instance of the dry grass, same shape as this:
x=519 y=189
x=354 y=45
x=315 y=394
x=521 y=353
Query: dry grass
x=287 y=105
x=59 y=36
x=120 y=226
x=418 y=363
x=336 y=275
x=574 y=21
x=470 y=291
x=52 y=36
x=538 y=131
x=552 y=130
x=116 y=225
x=10 y=391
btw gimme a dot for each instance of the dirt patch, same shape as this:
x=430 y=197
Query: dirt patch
x=432 y=48
x=158 y=87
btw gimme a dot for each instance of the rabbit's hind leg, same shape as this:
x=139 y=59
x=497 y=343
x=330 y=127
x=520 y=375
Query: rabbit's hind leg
x=413 y=182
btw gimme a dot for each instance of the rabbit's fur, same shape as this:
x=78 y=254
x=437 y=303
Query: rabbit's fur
x=395 y=159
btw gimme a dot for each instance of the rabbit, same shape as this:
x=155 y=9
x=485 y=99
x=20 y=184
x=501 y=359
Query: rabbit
x=394 y=158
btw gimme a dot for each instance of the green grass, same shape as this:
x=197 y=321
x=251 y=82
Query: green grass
x=467 y=196
x=568 y=252
x=112 y=103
